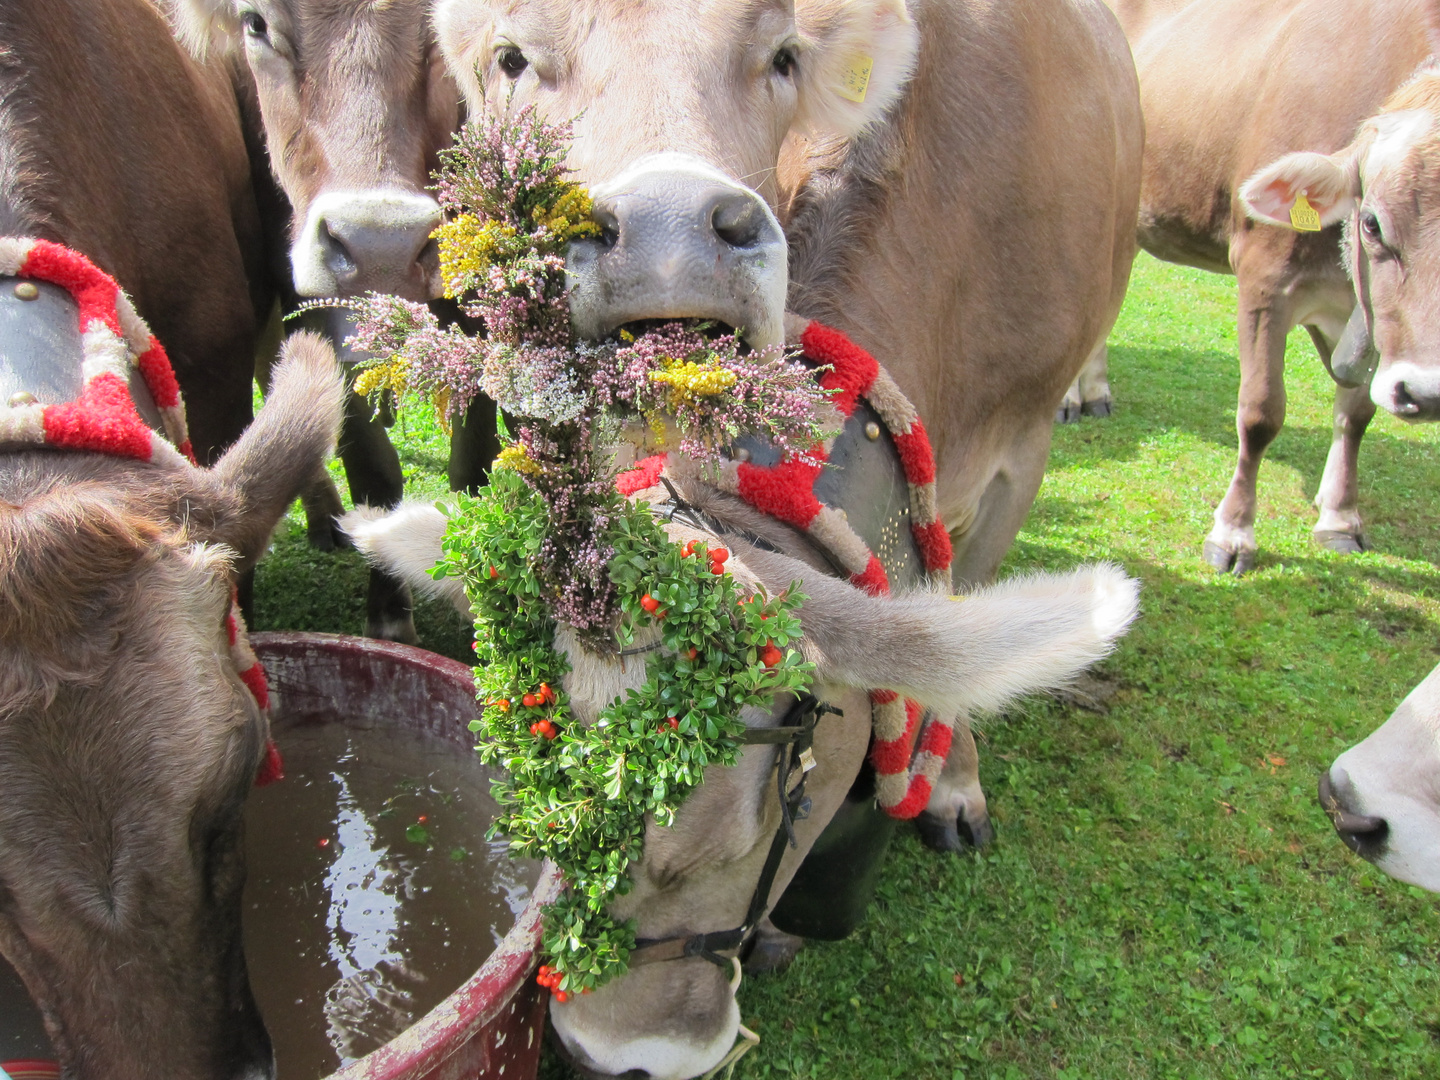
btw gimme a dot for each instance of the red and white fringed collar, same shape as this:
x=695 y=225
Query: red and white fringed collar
x=103 y=419
x=115 y=340
x=909 y=746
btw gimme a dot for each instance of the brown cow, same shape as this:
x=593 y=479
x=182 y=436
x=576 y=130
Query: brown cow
x=97 y=97
x=1228 y=86
x=128 y=742
x=355 y=105
x=981 y=268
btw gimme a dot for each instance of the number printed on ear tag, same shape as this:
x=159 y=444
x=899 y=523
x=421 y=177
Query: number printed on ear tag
x=856 y=79
x=1303 y=216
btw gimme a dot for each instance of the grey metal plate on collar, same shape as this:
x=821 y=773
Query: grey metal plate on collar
x=41 y=350
x=865 y=479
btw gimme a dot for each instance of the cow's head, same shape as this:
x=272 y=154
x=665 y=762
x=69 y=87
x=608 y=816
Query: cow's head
x=675 y=1019
x=1385 y=187
x=682 y=108
x=356 y=106
x=128 y=742
x=1383 y=794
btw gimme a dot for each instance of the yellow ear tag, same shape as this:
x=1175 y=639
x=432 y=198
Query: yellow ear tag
x=1303 y=216
x=856 y=79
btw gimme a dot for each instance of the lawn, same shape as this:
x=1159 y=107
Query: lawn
x=1164 y=898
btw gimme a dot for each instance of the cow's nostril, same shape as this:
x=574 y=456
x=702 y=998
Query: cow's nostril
x=1363 y=834
x=337 y=256
x=1405 y=403
x=738 y=220
x=604 y=216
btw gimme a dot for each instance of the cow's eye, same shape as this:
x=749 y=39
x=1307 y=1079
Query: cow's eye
x=784 y=62
x=254 y=24
x=512 y=61
x=1370 y=226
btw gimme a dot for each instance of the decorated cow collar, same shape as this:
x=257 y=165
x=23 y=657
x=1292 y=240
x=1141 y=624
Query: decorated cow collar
x=826 y=498
x=120 y=361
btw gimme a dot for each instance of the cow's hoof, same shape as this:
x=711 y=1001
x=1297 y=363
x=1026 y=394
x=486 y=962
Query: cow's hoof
x=1099 y=408
x=1229 y=562
x=1343 y=542
x=772 y=952
x=1068 y=413
x=979 y=836
x=954 y=835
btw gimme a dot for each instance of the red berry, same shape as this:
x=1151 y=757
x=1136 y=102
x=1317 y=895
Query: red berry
x=549 y=730
x=674 y=723
x=535 y=728
x=494 y=573
x=693 y=653
x=530 y=701
x=662 y=614
x=688 y=549
x=423 y=818
x=717 y=568
x=547 y=693
x=719 y=555
x=561 y=996
x=771 y=656
x=649 y=603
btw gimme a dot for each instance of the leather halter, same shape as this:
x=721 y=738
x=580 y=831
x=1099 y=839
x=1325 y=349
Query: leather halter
x=794 y=737
x=40 y=343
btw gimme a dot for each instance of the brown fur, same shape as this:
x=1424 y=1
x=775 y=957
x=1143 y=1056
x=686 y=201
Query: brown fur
x=114 y=142
x=128 y=742
x=1228 y=87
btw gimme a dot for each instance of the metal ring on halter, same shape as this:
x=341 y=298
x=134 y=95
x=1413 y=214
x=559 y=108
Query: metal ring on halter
x=794 y=737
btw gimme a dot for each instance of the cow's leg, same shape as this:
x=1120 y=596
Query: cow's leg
x=1094 y=383
x=1339 y=527
x=1069 y=410
x=473 y=446
x=1262 y=325
x=373 y=469
x=956 y=818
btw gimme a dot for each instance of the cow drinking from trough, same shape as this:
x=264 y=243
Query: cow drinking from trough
x=1229 y=86
x=128 y=741
x=962 y=211
x=355 y=105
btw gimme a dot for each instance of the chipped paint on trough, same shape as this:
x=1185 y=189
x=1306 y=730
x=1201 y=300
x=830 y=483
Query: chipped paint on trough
x=474 y=1033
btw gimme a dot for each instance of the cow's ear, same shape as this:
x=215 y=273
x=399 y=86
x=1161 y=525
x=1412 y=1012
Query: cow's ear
x=204 y=26
x=856 y=58
x=1328 y=183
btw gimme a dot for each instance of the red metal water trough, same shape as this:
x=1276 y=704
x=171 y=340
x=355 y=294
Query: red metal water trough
x=491 y=1026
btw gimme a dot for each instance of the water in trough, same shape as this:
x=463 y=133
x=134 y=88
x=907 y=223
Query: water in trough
x=372 y=893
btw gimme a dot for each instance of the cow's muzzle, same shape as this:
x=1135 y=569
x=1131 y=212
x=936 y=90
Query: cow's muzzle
x=1408 y=390
x=354 y=242
x=1362 y=833
x=679 y=239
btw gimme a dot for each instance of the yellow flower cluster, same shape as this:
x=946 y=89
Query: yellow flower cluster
x=515 y=457
x=467 y=246
x=387 y=375
x=570 y=216
x=689 y=381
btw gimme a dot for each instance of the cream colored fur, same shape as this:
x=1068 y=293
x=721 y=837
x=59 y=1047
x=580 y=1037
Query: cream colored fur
x=954 y=654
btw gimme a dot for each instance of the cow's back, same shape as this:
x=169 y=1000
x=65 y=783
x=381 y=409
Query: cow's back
x=133 y=154
x=992 y=241
x=1228 y=86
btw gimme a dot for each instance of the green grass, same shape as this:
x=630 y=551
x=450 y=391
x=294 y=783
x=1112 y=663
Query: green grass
x=1164 y=899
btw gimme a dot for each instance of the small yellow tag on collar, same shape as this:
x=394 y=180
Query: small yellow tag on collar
x=1303 y=216
x=856 y=79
